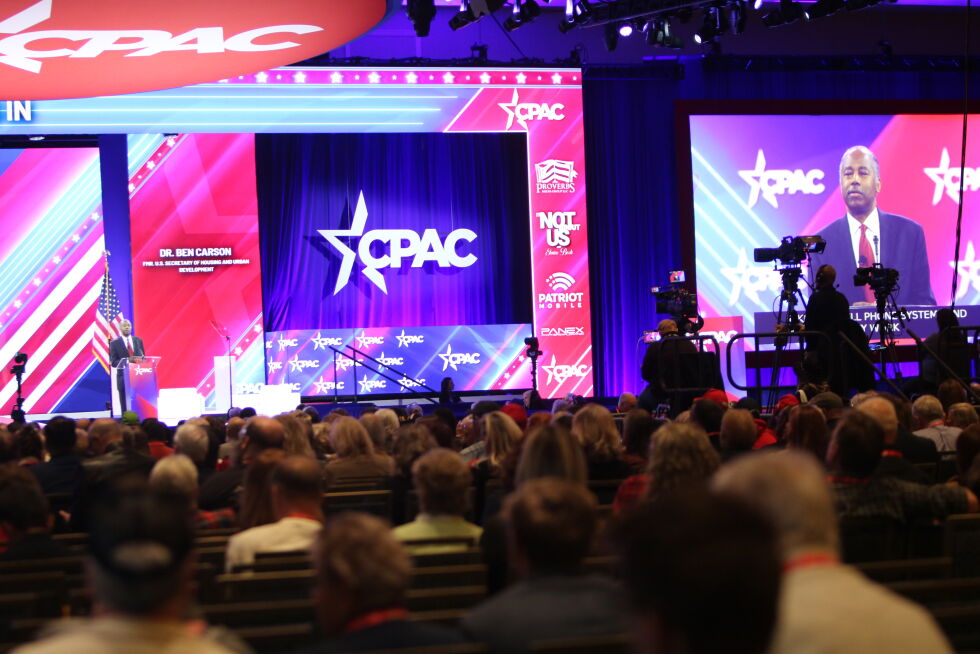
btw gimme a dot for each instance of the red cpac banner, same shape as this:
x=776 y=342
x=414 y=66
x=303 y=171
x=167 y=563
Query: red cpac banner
x=53 y=49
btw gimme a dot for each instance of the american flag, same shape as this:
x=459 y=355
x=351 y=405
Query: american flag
x=107 y=319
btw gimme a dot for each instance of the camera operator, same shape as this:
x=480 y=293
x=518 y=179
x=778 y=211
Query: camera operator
x=660 y=364
x=828 y=312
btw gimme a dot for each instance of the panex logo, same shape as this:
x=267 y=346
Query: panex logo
x=53 y=49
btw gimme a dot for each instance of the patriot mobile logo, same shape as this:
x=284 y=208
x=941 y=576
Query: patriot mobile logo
x=72 y=48
x=521 y=112
x=947 y=179
x=452 y=359
x=401 y=244
x=555 y=176
x=560 y=282
x=771 y=183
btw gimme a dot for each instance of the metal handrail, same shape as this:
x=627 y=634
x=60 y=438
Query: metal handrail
x=756 y=336
x=689 y=338
x=377 y=372
x=880 y=372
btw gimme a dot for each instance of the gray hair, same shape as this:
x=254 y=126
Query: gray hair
x=175 y=473
x=864 y=149
x=928 y=407
x=192 y=439
x=789 y=488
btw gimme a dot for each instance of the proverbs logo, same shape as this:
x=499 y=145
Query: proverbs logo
x=53 y=49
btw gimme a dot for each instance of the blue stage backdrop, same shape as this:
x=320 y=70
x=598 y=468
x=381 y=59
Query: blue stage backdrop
x=459 y=199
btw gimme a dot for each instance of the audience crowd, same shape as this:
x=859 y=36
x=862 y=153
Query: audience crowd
x=723 y=526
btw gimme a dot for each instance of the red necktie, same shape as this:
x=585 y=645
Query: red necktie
x=129 y=346
x=866 y=257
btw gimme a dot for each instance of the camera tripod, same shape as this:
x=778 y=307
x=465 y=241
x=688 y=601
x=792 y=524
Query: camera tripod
x=789 y=297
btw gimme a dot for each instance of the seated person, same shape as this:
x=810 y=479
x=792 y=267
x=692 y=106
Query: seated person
x=356 y=454
x=362 y=577
x=551 y=524
x=25 y=519
x=296 y=486
x=442 y=480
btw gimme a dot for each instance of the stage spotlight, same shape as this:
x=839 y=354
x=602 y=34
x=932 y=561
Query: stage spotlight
x=421 y=13
x=710 y=26
x=524 y=12
x=626 y=30
x=610 y=36
x=471 y=11
x=757 y=5
x=659 y=33
x=739 y=14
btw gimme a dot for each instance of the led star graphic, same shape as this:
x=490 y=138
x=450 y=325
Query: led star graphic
x=947 y=179
x=348 y=254
x=511 y=109
x=969 y=270
x=485 y=78
x=447 y=357
x=748 y=279
x=294 y=364
x=550 y=369
x=323 y=387
x=319 y=343
x=366 y=384
x=754 y=179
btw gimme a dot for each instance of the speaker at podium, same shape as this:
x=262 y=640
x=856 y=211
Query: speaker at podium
x=138 y=391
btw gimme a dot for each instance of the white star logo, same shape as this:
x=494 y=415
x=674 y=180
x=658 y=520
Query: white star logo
x=76 y=238
x=56 y=259
x=753 y=179
x=299 y=77
x=969 y=272
x=402 y=339
x=238 y=351
x=448 y=78
x=257 y=329
x=18 y=304
x=411 y=78
x=511 y=109
x=485 y=78
x=171 y=142
x=366 y=384
x=262 y=78
x=336 y=78
x=347 y=264
x=373 y=78
x=447 y=358
x=947 y=179
x=322 y=387
x=550 y=369
x=556 y=79
x=294 y=364
x=151 y=165
x=521 y=78
x=319 y=343
x=37 y=282
x=749 y=279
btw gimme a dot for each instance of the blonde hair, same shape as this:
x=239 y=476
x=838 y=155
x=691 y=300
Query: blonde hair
x=502 y=435
x=681 y=456
x=442 y=479
x=349 y=438
x=595 y=429
x=297 y=435
x=551 y=451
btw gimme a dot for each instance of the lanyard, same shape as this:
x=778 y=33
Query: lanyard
x=375 y=618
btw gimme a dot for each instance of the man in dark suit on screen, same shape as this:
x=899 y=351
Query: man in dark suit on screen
x=866 y=236
x=121 y=348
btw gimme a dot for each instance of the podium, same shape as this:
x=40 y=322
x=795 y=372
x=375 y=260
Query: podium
x=139 y=382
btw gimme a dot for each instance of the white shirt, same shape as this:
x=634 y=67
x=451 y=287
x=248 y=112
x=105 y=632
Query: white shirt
x=287 y=535
x=120 y=635
x=129 y=343
x=874 y=229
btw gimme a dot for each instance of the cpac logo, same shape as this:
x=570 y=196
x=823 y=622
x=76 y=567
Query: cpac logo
x=275 y=365
x=249 y=389
x=563 y=331
x=720 y=336
x=287 y=342
x=343 y=363
x=555 y=176
x=404 y=340
x=947 y=179
x=559 y=372
x=407 y=383
x=452 y=359
x=140 y=371
x=770 y=183
x=368 y=385
x=525 y=111
x=391 y=361
x=72 y=49
x=401 y=244
x=370 y=340
x=298 y=365
x=324 y=387
x=559 y=226
x=321 y=342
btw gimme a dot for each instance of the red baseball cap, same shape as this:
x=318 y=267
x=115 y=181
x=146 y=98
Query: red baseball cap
x=715 y=395
x=787 y=400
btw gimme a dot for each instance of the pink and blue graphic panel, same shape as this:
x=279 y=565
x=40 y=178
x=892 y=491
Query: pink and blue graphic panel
x=759 y=178
x=51 y=263
x=196 y=256
x=326 y=362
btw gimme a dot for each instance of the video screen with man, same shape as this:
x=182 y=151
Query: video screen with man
x=880 y=189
